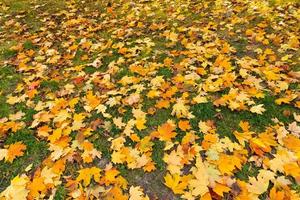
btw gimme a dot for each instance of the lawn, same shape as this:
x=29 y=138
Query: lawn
x=150 y=99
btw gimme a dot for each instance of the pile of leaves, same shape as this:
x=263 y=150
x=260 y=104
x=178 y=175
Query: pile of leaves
x=202 y=94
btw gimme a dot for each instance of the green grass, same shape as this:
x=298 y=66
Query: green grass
x=230 y=119
x=61 y=193
x=90 y=69
x=28 y=45
x=166 y=72
x=202 y=112
x=51 y=85
x=29 y=112
x=160 y=117
x=102 y=144
x=17 y=6
x=158 y=154
x=5 y=51
x=4 y=108
x=25 y=6
x=247 y=170
x=8 y=79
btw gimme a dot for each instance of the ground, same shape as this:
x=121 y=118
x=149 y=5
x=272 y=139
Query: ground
x=162 y=99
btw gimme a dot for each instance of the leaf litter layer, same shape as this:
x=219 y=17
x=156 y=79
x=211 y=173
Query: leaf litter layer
x=149 y=99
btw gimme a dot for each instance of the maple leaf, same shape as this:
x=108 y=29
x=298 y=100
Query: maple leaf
x=260 y=185
x=263 y=143
x=78 y=121
x=110 y=176
x=209 y=139
x=16 y=116
x=116 y=193
x=292 y=142
x=162 y=104
x=136 y=193
x=15 y=150
x=203 y=126
x=176 y=182
x=258 y=109
x=92 y=101
x=140 y=123
x=50 y=177
x=62 y=116
x=276 y=195
x=200 y=99
x=36 y=187
x=43 y=131
x=17 y=189
x=57 y=133
x=133 y=98
x=3 y=153
x=181 y=110
x=199 y=185
x=184 y=125
x=165 y=131
x=292 y=169
x=86 y=175
x=118 y=122
x=294 y=128
x=220 y=189
x=174 y=160
x=13 y=100
x=227 y=163
x=246 y=135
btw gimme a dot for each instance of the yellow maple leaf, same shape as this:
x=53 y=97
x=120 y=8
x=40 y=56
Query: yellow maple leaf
x=292 y=169
x=118 y=122
x=227 y=163
x=78 y=121
x=292 y=142
x=17 y=189
x=220 y=189
x=136 y=193
x=62 y=116
x=199 y=184
x=86 y=175
x=140 y=123
x=181 y=110
x=110 y=176
x=176 y=182
x=258 y=109
x=246 y=135
x=260 y=184
x=92 y=101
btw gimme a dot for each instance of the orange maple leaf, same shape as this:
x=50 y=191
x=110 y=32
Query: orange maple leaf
x=184 y=125
x=165 y=132
x=15 y=150
x=36 y=187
